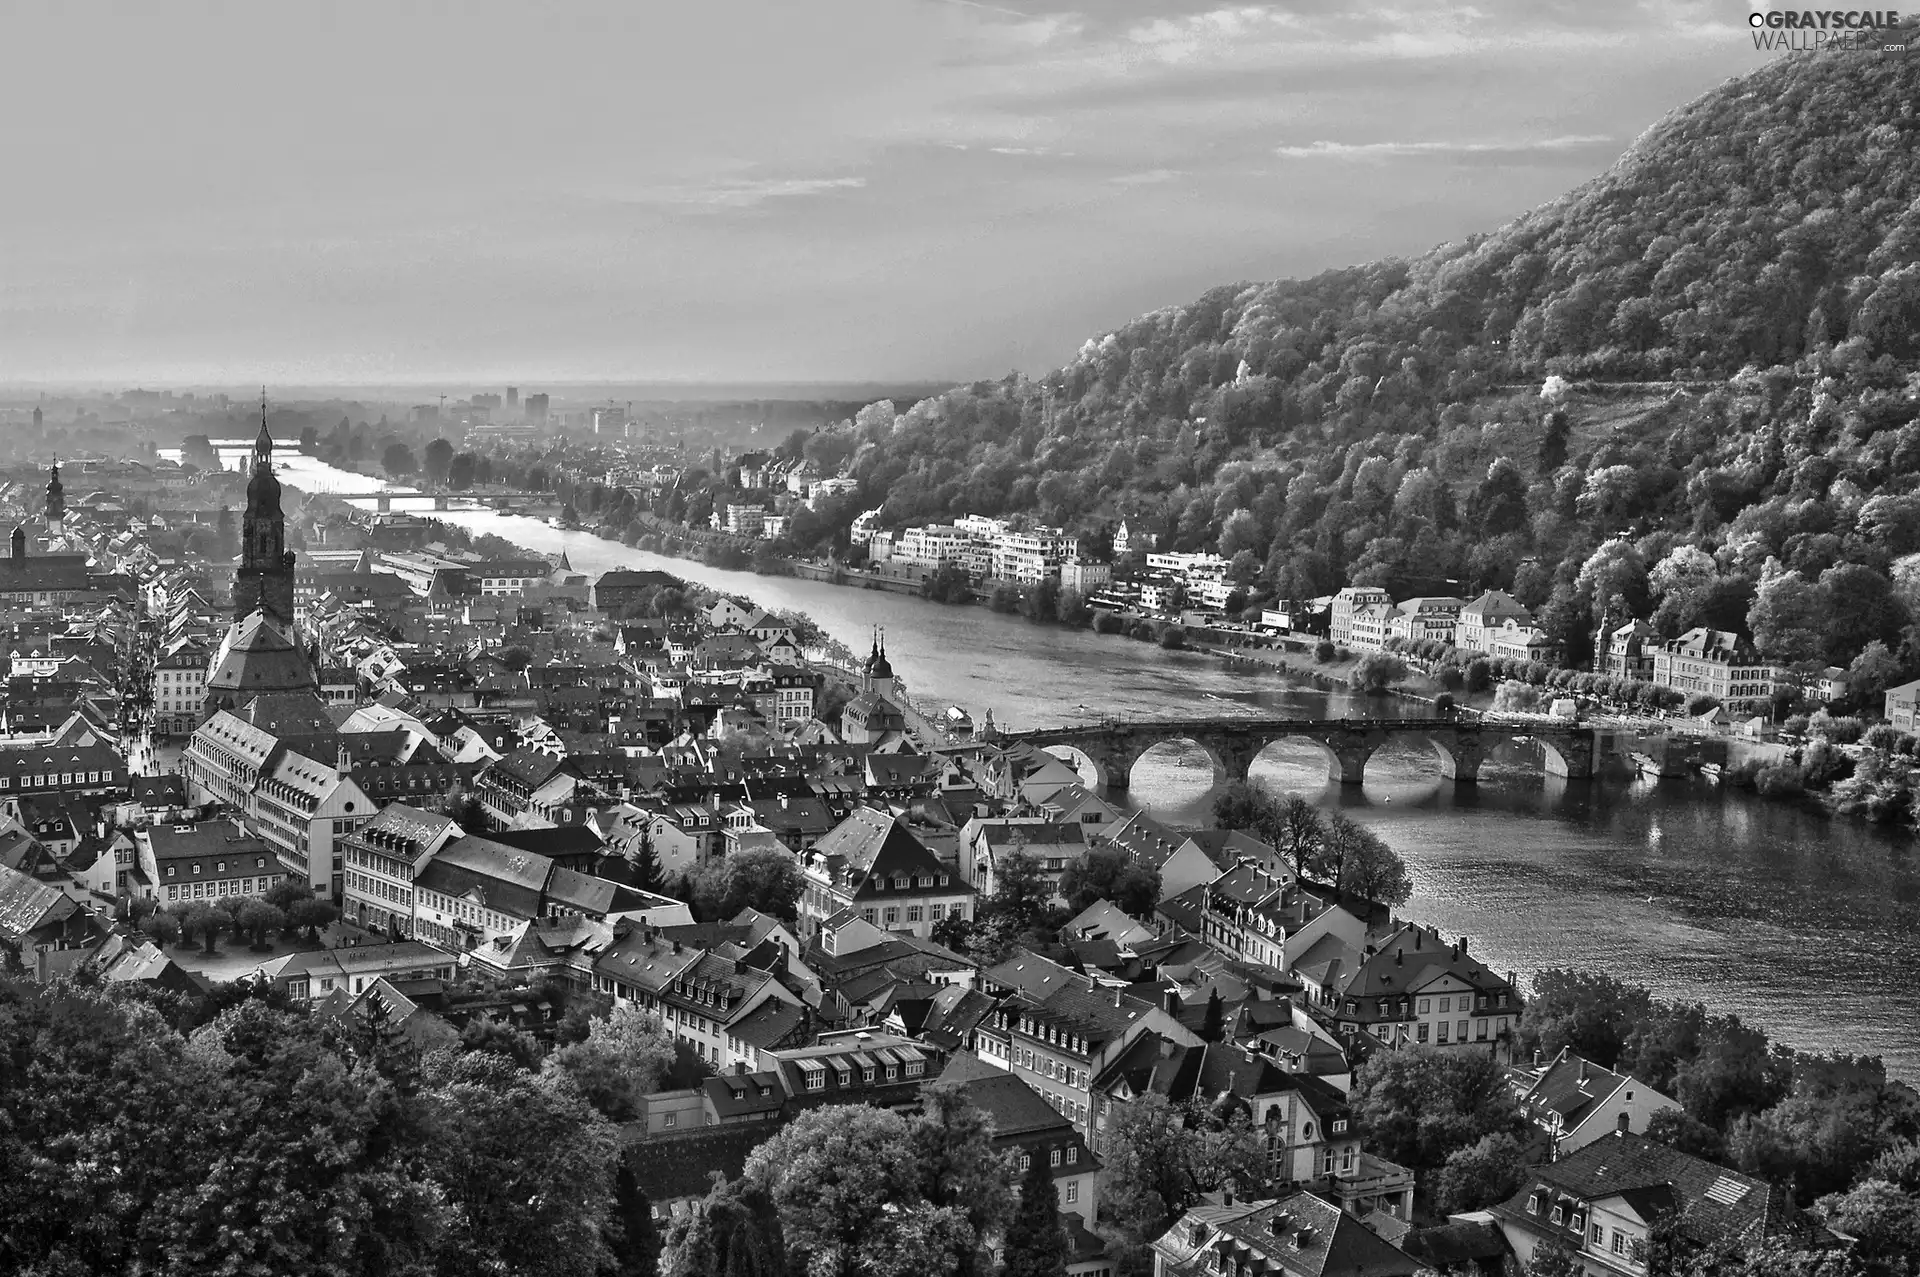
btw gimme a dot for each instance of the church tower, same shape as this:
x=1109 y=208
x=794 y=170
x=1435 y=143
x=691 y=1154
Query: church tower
x=56 y=502
x=264 y=581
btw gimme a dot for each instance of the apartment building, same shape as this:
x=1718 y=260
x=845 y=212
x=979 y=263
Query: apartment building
x=382 y=859
x=1349 y=601
x=1719 y=664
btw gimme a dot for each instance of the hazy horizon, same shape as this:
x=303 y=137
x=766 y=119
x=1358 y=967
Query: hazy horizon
x=853 y=192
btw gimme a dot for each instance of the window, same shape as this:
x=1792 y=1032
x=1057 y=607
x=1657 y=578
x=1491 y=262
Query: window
x=1073 y=1191
x=892 y=916
x=1460 y=1030
x=1057 y=1158
x=1446 y=1004
x=1619 y=1241
x=1596 y=1235
x=1559 y=1213
x=1073 y=1154
x=1421 y=1032
x=913 y=913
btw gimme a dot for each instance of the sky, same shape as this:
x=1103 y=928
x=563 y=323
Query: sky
x=759 y=190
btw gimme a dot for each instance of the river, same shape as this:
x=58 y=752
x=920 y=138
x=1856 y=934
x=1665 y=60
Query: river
x=1807 y=927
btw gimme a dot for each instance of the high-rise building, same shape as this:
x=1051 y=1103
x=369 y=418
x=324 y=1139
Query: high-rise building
x=513 y=396
x=537 y=407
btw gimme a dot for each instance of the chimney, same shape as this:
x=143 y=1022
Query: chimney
x=1170 y=1001
x=1624 y=1123
x=1226 y=1195
x=1399 y=956
x=1583 y=1070
x=1536 y=1057
x=1116 y=998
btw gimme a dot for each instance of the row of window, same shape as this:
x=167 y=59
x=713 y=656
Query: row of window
x=220 y=866
x=46 y=779
x=224 y=887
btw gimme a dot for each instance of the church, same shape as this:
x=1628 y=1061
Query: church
x=261 y=652
x=50 y=569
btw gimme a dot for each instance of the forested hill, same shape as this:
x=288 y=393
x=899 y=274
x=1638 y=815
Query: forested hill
x=1750 y=264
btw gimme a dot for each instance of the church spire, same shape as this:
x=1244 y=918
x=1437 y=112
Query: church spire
x=56 y=498
x=263 y=442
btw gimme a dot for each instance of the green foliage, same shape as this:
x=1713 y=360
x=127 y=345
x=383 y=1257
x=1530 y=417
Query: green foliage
x=259 y=1145
x=1378 y=672
x=1036 y=1245
x=763 y=878
x=1420 y=1105
x=623 y=1058
x=1483 y=1173
x=735 y=1233
x=1161 y=1156
x=1109 y=873
x=865 y=1190
x=947 y=583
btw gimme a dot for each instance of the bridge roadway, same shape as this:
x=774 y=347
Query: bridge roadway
x=441 y=500
x=1112 y=747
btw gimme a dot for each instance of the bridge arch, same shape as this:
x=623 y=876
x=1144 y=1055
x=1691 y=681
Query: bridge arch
x=1554 y=760
x=1092 y=770
x=1301 y=743
x=1222 y=770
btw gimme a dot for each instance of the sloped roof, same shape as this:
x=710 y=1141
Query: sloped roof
x=1716 y=1202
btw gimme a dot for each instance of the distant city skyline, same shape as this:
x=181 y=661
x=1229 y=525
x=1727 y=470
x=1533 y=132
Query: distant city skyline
x=847 y=191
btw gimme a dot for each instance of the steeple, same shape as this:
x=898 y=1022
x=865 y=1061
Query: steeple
x=56 y=499
x=18 y=545
x=264 y=581
x=263 y=442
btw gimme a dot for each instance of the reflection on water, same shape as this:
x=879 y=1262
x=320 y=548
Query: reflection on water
x=1805 y=926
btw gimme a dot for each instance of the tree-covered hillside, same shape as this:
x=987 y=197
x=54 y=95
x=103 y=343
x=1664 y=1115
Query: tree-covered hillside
x=1735 y=306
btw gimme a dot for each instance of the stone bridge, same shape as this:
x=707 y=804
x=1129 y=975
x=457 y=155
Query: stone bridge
x=1462 y=746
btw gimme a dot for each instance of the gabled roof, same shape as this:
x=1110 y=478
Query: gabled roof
x=1650 y=1177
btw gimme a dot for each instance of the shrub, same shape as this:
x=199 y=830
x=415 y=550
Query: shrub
x=1515 y=697
x=1108 y=623
x=1443 y=704
x=1796 y=725
x=1377 y=671
x=1884 y=737
x=1780 y=780
x=1323 y=651
x=1701 y=703
x=1142 y=631
x=1452 y=678
x=1841 y=731
x=1173 y=637
x=1479 y=675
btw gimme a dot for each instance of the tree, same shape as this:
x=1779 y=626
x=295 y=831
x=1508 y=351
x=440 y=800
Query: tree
x=1374 y=871
x=633 y=1237
x=462 y=471
x=1213 y=1026
x=1788 y=619
x=484 y=1033
x=1882 y=1217
x=1035 y=1244
x=735 y=1233
x=526 y=1163
x=1376 y=672
x=161 y=926
x=622 y=1060
x=839 y=1178
x=314 y=914
x=1490 y=1170
x=1161 y=1156
x=763 y=878
x=952 y=1143
x=1589 y=1013
x=207 y=922
x=437 y=460
x=1022 y=893
x=1682 y=1131
x=259 y=920
x=1110 y=873
x=398 y=460
x=1419 y=1105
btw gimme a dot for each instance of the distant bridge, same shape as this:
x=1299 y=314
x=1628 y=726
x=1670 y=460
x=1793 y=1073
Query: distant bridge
x=441 y=500
x=1111 y=747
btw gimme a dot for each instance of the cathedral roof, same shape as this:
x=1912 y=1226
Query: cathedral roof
x=258 y=658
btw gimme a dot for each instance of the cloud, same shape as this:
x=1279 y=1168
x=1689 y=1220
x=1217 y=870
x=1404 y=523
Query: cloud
x=747 y=193
x=1152 y=177
x=1384 y=150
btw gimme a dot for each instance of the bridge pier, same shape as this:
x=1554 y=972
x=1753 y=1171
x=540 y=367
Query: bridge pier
x=440 y=502
x=1349 y=765
x=1461 y=757
x=384 y=503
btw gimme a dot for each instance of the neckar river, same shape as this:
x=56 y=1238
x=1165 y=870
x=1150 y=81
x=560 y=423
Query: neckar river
x=1807 y=927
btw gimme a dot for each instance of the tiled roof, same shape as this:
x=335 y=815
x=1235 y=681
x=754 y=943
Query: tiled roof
x=1716 y=1202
